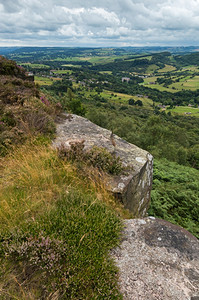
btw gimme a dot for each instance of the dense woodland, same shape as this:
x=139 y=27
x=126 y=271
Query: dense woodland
x=107 y=86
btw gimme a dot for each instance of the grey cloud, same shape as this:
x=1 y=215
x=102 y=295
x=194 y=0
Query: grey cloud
x=118 y=22
x=9 y=6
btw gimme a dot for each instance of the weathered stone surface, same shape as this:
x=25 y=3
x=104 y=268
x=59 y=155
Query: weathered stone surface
x=134 y=187
x=157 y=260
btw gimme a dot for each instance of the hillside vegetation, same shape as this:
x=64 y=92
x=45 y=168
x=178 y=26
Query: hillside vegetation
x=57 y=221
x=175 y=195
x=57 y=225
x=24 y=110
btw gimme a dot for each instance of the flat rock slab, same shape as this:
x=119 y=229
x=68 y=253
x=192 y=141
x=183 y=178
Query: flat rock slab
x=132 y=188
x=157 y=260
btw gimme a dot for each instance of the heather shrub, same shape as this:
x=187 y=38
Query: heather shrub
x=97 y=157
x=75 y=152
x=2 y=126
x=9 y=67
x=14 y=90
x=16 y=123
x=102 y=159
x=43 y=253
x=8 y=118
x=63 y=248
x=37 y=121
x=23 y=111
x=8 y=137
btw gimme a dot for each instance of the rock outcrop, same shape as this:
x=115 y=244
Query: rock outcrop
x=132 y=188
x=157 y=261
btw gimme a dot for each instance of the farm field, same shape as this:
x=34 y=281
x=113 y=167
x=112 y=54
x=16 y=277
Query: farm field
x=151 y=83
x=45 y=80
x=185 y=110
x=138 y=58
x=120 y=98
x=36 y=66
x=62 y=72
x=167 y=68
x=69 y=58
x=105 y=72
x=100 y=59
x=190 y=68
x=187 y=83
x=71 y=65
x=151 y=69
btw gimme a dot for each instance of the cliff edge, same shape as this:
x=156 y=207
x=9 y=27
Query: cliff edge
x=133 y=187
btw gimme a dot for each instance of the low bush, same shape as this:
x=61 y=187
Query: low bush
x=37 y=121
x=98 y=157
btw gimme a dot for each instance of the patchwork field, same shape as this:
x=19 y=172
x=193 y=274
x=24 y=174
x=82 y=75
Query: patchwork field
x=185 y=110
x=167 y=68
x=62 y=72
x=36 y=66
x=45 y=80
x=120 y=98
x=73 y=66
x=186 y=82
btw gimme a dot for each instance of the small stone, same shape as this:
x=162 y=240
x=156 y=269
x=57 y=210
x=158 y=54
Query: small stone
x=142 y=222
x=121 y=185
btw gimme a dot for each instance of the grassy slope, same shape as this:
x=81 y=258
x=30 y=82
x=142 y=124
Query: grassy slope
x=57 y=226
x=118 y=98
x=57 y=222
x=167 y=68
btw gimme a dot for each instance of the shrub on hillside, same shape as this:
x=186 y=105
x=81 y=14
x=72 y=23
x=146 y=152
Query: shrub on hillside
x=175 y=195
x=14 y=90
x=9 y=67
x=37 y=121
x=98 y=157
x=23 y=109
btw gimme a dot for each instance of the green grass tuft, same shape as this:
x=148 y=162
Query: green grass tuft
x=56 y=229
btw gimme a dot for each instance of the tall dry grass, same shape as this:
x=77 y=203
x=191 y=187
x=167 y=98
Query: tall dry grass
x=31 y=179
x=45 y=197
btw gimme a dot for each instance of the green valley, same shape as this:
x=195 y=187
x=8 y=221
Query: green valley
x=59 y=208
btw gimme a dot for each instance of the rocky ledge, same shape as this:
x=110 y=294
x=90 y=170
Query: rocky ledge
x=134 y=187
x=157 y=261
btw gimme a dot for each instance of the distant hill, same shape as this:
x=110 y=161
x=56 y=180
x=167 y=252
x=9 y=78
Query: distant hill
x=74 y=51
x=7 y=50
x=188 y=59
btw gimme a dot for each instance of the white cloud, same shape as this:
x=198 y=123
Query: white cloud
x=70 y=31
x=107 y=22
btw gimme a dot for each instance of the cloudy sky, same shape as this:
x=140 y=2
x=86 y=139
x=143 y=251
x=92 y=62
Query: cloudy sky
x=99 y=22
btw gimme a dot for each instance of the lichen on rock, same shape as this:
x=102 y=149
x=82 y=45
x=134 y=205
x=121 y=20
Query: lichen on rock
x=158 y=261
